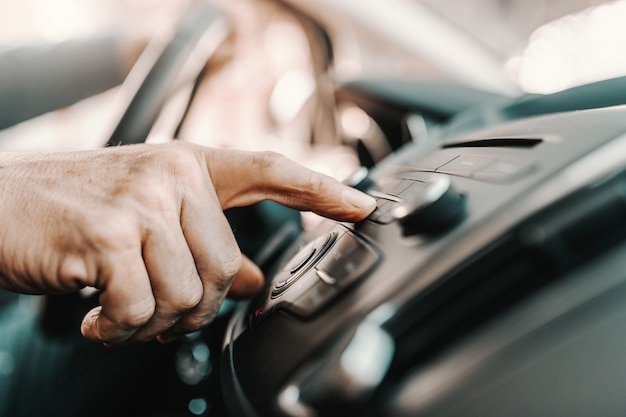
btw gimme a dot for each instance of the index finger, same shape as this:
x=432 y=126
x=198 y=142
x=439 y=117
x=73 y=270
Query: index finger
x=243 y=178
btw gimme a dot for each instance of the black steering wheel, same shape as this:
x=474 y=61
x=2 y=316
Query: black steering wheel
x=263 y=231
x=162 y=67
x=166 y=65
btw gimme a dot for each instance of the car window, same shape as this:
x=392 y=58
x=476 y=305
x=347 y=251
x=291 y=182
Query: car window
x=546 y=46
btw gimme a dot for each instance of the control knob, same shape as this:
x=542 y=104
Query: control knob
x=430 y=207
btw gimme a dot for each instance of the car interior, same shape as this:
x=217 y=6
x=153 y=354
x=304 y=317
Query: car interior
x=489 y=281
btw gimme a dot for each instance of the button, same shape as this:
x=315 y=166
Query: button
x=313 y=250
x=503 y=171
x=465 y=165
x=301 y=258
x=415 y=176
x=261 y=306
x=381 y=213
x=422 y=194
x=326 y=277
x=375 y=215
x=282 y=279
x=261 y=311
x=317 y=296
x=384 y=209
x=400 y=187
x=434 y=161
x=415 y=187
x=347 y=261
x=322 y=243
x=308 y=255
x=265 y=310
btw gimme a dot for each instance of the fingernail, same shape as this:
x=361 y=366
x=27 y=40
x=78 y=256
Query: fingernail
x=358 y=199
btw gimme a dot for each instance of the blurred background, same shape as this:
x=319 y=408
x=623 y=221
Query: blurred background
x=268 y=72
x=53 y=21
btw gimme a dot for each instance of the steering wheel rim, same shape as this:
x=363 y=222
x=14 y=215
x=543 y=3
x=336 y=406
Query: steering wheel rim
x=165 y=66
x=159 y=71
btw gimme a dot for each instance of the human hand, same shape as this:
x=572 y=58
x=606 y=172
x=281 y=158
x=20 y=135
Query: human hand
x=144 y=224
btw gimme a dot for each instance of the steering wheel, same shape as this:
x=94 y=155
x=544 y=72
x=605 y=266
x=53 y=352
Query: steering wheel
x=162 y=68
x=263 y=230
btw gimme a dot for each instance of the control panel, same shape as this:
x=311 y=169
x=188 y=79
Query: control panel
x=422 y=202
x=318 y=272
x=464 y=233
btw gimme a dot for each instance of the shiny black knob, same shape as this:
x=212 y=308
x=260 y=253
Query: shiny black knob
x=430 y=207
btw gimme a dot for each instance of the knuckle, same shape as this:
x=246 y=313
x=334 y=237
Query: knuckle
x=171 y=162
x=184 y=168
x=118 y=232
x=188 y=298
x=178 y=157
x=316 y=184
x=192 y=323
x=137 y=315
x=198 y=321
x=228 y=266
x=73 y=272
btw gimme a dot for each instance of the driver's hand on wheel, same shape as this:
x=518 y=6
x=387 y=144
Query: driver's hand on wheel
x=144 y=224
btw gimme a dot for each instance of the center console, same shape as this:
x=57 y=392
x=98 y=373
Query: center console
x=404 y=312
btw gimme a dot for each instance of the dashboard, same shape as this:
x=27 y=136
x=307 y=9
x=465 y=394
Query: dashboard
x=489 y=281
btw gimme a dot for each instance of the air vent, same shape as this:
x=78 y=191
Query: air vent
x=496 y=143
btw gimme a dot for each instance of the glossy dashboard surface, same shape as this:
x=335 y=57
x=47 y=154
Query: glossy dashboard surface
x=498 y=195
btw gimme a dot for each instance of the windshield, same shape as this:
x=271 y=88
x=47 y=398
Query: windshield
x=504 y=46
x=536 y=45
x=546 y=46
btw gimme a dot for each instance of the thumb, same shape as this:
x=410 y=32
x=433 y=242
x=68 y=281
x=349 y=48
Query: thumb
x=247 y=282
